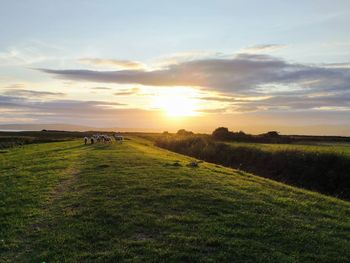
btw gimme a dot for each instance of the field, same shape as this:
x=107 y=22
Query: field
x=338 y=148
x=12 y=139
x=67 y=202
x=321 y=168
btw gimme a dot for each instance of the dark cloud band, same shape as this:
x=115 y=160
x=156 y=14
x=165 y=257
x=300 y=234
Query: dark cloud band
x=243 y=74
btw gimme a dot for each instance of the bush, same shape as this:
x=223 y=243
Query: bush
x=223 y=134
x=184 y=132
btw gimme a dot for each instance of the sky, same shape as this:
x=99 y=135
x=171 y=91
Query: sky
x=166 y=65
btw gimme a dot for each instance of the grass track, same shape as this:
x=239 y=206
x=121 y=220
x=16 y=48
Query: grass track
x=66 y=202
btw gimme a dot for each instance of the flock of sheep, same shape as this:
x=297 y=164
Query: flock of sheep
x=102 y=138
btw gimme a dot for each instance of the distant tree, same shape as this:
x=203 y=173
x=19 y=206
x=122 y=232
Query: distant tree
x=184 y=132
x=165 y=133
x=272 y=134
x=241 y=136
x=221 y=133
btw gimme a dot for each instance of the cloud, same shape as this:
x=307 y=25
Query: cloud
x=246 y=82
x=241 y=72
x=218 y=99
x=233 y=98
x=31 y=52
x=31 y=93
x=245 y=73
x=54 y=108
x=293 y=102
x=181 y=57
x=331 y=102
x=114 y=63
x=127 y=92
x=93 y=113
x=262 y=48
x=101 y=88
x=337 y=65
x=212 y=111
x=68 y=106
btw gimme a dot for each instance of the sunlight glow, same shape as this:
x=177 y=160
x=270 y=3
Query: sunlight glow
x=176 y=102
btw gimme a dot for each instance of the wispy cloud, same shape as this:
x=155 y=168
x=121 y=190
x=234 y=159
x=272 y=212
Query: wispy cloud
x=262 y=48
x=331 y=102
x=113 y=63
x=103 y=113
x=32 y=93
x=57 y=105
x=182 y=57
x=101 y=88
x=127 y=92
x=233 y=98
x=212 y=111
x=337 y=65
x=30 y=52
x=218 y=98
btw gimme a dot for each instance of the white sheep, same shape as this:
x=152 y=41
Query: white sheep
x=118 y=138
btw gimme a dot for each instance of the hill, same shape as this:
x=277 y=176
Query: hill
x=64 y=201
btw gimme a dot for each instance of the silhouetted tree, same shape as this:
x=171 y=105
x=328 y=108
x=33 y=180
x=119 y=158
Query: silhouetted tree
x=272 y=134
x=184 y=132
x=221 y=133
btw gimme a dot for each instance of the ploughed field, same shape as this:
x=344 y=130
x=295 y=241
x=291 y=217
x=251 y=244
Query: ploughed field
x=69 y=202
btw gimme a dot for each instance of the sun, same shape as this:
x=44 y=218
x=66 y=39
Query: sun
x=176 y=102
x=177 y=107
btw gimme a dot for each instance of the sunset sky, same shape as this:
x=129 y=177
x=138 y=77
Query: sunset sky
x=165 y=65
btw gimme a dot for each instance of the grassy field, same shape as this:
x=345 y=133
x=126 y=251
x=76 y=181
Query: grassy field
x=325 y=171
x=67 y=202
x=13 y=139
x=339 y=148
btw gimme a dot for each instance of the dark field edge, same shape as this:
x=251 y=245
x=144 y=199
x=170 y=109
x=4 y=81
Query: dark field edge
x=326 y=173
x=14 y=139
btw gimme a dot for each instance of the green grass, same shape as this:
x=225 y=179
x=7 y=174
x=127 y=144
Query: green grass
x=339 y=148
x=67 y=202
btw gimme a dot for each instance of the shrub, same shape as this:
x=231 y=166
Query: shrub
x=184 y=132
